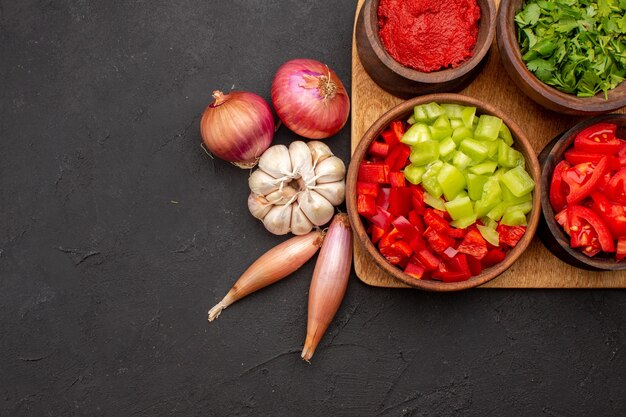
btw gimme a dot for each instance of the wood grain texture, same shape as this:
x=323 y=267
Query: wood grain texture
x=537 y=268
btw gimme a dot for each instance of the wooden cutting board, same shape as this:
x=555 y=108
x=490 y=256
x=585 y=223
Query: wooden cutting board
x=537 y=267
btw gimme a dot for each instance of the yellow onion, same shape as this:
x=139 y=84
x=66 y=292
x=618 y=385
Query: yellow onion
x=237 y=127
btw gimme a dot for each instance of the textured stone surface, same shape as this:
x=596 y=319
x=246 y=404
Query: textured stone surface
x=117 y=233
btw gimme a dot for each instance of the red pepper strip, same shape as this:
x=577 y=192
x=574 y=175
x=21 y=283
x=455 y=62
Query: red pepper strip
x=400 y=201
x=577 y=212
x=366 y=205
x=616 y=188
x=558 y=187
x=392 y=255
x=383 y=198
x=437 y=241
x=379 y=149
x=475 y=265
x=621 y=248
x=367 y=188
x=510 y=235
x=434 y=220
x=397 y=127
x=457 y=233
x=474 y=244
x=381 y=219
x=417 y=243
x=428 y=259
x=396 y=179
x=406 y=229
x=377 y=233
x=580 y=190
x=398 y=157
x=599 y=138
x=373 y=172
x=417 y=200
x=403 y=248
x=493 y=257
x=416 y=220
x=456 y=271
x=416 y=270
x=390 y=237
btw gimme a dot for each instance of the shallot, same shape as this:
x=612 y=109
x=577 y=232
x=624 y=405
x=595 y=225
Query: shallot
x=272 y=266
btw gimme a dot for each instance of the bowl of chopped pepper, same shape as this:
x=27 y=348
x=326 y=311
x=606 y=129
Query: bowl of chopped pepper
x=443 y=192
x=566 y=56
x=584 y=199
x=415 y=48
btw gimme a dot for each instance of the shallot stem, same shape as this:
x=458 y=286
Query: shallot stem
x=272 y=266
x=329 y=283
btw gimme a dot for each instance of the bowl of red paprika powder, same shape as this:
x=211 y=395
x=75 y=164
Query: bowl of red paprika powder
x=597 y=214
x=412 y=48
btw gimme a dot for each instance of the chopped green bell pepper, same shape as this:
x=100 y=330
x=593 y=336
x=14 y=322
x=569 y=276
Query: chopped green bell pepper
x=474 y=149
x=451 y=180
x=464 y=222
x=475 y=184
x=488 y=127
x=413 y=173
x=489 y=234
x=446 y=148
x=467 y=114
x=514 y=218
x=441 y=129
x=460 y=160
x=453 y=111
x=518 y=181
x=434 y=202
x=419 y=132
x=461 y=133
x=459 y=208
x=424 y=152
x=429 y=179
x=488 y=167
x=505 y=135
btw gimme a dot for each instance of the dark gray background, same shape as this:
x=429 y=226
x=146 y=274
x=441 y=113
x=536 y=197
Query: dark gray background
x=105 y=283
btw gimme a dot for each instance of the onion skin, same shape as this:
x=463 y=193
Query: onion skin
x=272 y=266
x=237 y=127
x=330 y=279
x=307 y=101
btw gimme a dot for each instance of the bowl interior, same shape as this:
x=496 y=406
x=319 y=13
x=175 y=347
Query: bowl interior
x=486 y=33
x=600 y=261
x=403 y=111
x=507 y=33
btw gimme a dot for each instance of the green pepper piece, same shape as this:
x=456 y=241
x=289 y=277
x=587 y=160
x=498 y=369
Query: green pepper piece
x=467 y=114
x=413 y=173
x=488 y=167
x=453 y=111
x=461 y=133
x=518 y=181
x=451 y=180
x=505 y=134
x=525 y=207
x=433 y=110
x=491 y=197
x=464 y=222
x=411 y=120
x=460 y=160
x=490 y=223
x=488 y=127
x=509 y=157
x=429 y=179
x=459 y=208
x=424 y=152
x=446 y=148
x=508 y=196
x=514 y=218
x=441 y=129
x=419 y=113
x=489 y=234
x=492 y=153
x=474 y=149
x=419 y=132
x=462 y=193
x=456 y=123
x=434 y=202
x=497 y=212
x=475 y=184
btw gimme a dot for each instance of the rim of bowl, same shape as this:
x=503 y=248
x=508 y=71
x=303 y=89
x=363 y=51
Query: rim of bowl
x=402 y=110
x=507 y=34
x=439 y=76
x=562 y=144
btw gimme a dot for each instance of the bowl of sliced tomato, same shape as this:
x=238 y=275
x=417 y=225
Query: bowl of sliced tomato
x=443 y=192
x=584 y=203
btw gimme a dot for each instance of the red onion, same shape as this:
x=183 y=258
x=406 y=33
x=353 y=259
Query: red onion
x=237 y=127
x=310 y=99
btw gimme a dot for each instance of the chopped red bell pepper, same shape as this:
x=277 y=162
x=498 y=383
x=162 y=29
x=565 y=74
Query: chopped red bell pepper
x=390 y=138
x=434 y=220
x=583 y=178
x=598 y=138
x=621 y=248
x=416 y=270
x=416 y=220
x=366 y=205
x=379 y=149
x=437 y=241
x=510 y=235
x=390 y=237
x=428 y=259
x=396 y=252
x=398 y=157
x=367 y=188
x=558 y=187
x=377 y=234
x=579 y=217
x=475 y=265
x=494 y=256
x=457 y=233
x=382 y=218
x=396 y=179
x=474 y=244
x=400 y=201
x=397 y=127
x=453 y=270
x=373 y=172
x=417 y=243
x=406 y=229
x=382 y=200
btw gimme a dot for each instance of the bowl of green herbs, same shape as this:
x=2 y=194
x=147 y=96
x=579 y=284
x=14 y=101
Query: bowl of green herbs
x=567 y=55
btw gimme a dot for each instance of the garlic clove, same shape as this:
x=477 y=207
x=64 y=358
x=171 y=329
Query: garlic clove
x=330 y=170
x=334 y=192
x=315 y=207
x=276 y=161
x=300 y=224
x=301 y=162
x=319 y=151
x=281 y=196
x=262 y=183
x=278 y=220
x=258 y=205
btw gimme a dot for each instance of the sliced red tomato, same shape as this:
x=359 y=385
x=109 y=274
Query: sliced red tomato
x=561 y=218
x=559 y=188
x=599 y=138
x=616 y=188
x=579 y=218
x=575 y=157
x=614 y=215
x=583 y=178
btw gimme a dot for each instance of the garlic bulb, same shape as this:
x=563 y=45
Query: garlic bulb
x=295 y=189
